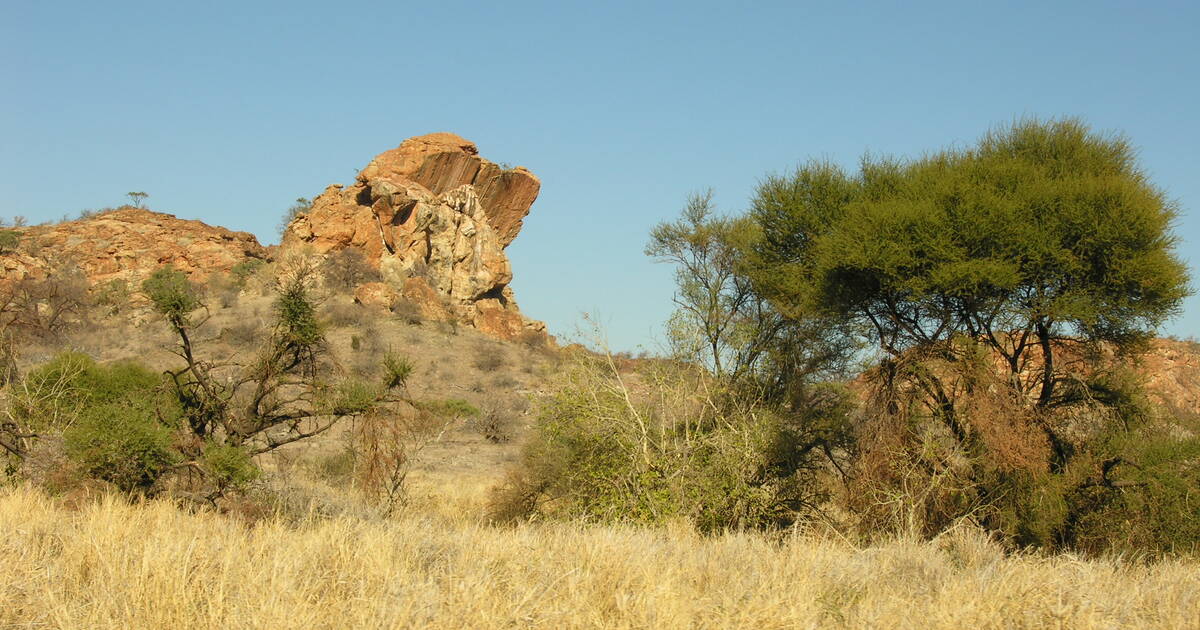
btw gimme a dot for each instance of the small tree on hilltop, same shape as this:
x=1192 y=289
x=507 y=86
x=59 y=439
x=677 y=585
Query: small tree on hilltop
x=137 y=198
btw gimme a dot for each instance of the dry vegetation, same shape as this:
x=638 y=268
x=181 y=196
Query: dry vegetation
x=109 y=564
x=339 y=531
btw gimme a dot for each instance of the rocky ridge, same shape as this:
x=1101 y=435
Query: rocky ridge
x=127 y=244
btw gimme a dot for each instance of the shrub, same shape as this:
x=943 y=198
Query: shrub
x=489 y=358
x=600 y=452
x=493 y=423
x=121 y=443
x=407 y=311
x=45 y=308
x=245 y=332
x=9 y=240
x=353 y=397
x=112 y=296
x=115 y=422
x=343 y=314
x=396 y=370
x=1123 y=487
x=347 y=268
x=229 y=466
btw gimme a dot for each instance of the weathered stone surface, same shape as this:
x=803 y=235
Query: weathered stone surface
x=442 y=162
x=129 y=243
x=491 y=318
x=435 y=219
x=1172 y=370
x=428 y=302
x=377 y=294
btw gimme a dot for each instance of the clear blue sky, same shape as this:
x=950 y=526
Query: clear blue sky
x=228 y=111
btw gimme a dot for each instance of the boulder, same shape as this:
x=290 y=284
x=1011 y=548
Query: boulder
x=376 y=294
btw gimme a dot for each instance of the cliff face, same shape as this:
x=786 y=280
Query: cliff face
x=128 y=244
x=431 y=212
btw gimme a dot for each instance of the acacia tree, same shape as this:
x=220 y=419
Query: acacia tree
x=1042 y=242
x=1043 y=234
x=722 y=321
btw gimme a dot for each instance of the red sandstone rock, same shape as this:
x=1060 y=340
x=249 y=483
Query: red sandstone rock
x=431 y=211
x=442 y=162
x=376 y=294
x=129 y=244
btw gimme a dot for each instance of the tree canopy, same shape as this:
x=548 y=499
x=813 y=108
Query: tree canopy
x=1041 y=232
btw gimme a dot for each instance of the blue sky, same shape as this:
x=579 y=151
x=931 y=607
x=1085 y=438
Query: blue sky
x=228 y=111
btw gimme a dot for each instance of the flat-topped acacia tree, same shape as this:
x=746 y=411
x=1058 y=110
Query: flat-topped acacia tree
x=1041 y=235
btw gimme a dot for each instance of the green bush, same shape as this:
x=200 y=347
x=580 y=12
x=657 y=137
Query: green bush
x=297 y=315
x=1137 y=493
x=172 y=294
x=449 y=408
x=682 y=450
x=58 y=391
x=396 y=371
x=121 y=443
x=229 y=466
x=115 y=421
x=9 y=239
x=353 y=397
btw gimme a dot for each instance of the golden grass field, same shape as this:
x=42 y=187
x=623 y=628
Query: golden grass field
x=106 y=563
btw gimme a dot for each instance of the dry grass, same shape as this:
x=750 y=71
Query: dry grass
x=108 y=564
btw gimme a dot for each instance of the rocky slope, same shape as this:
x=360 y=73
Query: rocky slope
x=434 y=218
x=127 y=244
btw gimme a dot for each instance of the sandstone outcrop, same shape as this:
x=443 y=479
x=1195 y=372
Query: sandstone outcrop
x=128 y=244
x=434 y=218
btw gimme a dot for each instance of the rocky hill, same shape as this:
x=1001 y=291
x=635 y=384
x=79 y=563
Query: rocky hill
x=127 y=244
x=431 y=215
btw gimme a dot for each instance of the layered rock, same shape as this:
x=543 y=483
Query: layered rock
x=441 y=162
x=434 y=218
x=128 y=244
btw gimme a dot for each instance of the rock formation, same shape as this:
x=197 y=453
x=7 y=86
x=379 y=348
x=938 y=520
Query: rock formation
x=431 y=215
x=434 y=218
x=128 y=244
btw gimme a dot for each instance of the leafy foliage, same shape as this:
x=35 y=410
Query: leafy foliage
x=1043 y=232
x=724 y=322
x=173 y=295
x=122 y=443
x=9 y=240
x=229 y=466
x=115 y=420
x=685 y=451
